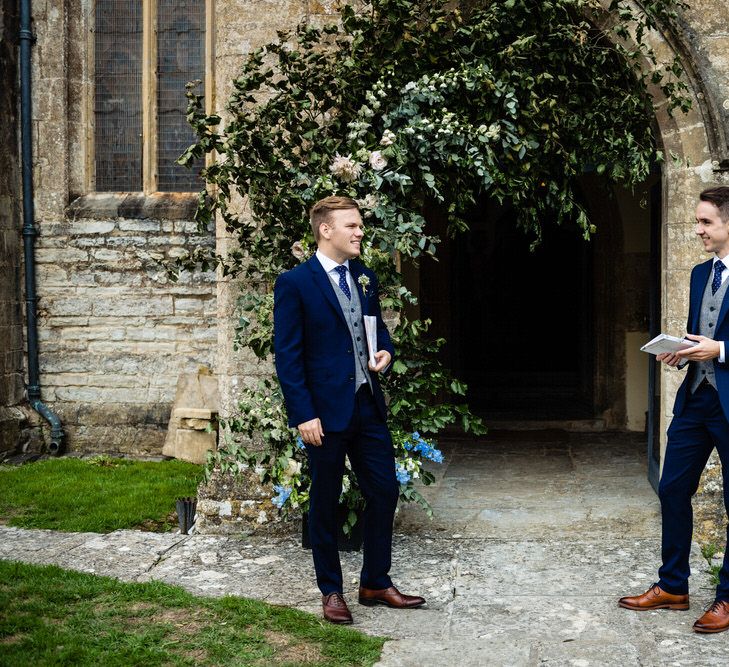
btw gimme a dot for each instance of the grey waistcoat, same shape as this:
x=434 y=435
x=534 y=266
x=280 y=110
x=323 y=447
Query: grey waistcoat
x=710 y=306
x=352 y=310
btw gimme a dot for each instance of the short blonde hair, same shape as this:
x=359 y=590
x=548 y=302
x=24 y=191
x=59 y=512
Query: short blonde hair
x=320 y=211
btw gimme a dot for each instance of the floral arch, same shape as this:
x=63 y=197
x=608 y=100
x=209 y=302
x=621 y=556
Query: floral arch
x=406 y=105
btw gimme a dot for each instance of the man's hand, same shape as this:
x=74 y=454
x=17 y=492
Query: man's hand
x=311 y=432
x=669 y=358
x=706 y=349
x=383 y=359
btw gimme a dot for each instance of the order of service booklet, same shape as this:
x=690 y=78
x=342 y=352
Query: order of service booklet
x=664 y=343
x=370 y=322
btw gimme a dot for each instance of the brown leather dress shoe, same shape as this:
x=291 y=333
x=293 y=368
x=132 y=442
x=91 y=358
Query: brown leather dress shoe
x=716 y=618
x=389 y=596
x=335 y=609
x=655 y=598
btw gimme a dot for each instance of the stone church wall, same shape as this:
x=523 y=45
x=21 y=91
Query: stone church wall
x=115 y=331
x=11 y=249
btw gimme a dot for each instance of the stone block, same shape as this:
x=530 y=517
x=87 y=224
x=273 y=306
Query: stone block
x=72 y=321
x=329 y=7
x=98 y=381
x=67 y=347
x=65 y=307
x=192 y=445
x=12 y=421
x=90 y=333
x=50 y=274
x=708 y=505
x=145 y=349
x=139 y=225
x=187 y=414
x=81 y=227
x=106 y=395
x=189 y=305
x=192 y=430
x=133 y=440
x=61 y=255
x=238 y=503
x=82 y=278
x=126 y=241
x=677 y=291
x=105 y=278
x=105 y=254
x=95 y=205
x=124 y=414
x=185 y=227
x=140 y=305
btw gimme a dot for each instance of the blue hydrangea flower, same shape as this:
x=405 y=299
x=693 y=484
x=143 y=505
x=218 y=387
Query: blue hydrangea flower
x=403 y=476
x=283 y=495
x=436 y=455
x=428 y=451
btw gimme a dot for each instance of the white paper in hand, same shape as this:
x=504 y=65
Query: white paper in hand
x=370 y=322
x=664 y=343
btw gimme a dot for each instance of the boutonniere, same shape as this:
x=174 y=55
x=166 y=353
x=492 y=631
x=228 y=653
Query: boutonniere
x=364 y=283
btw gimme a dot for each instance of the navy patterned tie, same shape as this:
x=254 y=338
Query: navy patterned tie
x=342 y=271
x=718 y=268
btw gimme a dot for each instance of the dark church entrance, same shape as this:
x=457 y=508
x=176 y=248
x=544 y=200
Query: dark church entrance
x=518 y=322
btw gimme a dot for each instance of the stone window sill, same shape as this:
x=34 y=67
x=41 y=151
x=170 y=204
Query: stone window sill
x=134 y=205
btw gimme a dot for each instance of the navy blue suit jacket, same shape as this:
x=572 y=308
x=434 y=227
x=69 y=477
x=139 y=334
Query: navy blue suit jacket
x=699 y=277
x=314 y=355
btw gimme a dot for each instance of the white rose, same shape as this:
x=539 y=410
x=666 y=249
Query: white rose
x=377 y=160
x=493 y=131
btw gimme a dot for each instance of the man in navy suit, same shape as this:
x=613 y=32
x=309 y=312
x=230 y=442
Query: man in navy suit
x=333 y=397
x=700 y=421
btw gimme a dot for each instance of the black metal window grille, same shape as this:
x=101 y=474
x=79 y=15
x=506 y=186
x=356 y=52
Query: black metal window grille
x=180 y=58
x=118 y=95
x=119 y=36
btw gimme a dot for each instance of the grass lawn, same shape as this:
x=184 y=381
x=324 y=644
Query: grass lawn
x=95 y=495
x=51 y=616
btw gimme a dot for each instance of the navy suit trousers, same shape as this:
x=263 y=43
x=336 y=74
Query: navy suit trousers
x=367 y=443
x=692 y=436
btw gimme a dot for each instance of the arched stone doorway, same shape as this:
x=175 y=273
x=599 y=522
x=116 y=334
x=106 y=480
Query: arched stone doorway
x=638 y=263
x=551 y=334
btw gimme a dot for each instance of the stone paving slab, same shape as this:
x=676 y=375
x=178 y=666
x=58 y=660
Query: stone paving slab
x=532 y=545
x=124 y=552
x=490 y=602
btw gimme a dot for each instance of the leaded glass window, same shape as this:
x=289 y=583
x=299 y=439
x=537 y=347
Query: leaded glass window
x=140 y=124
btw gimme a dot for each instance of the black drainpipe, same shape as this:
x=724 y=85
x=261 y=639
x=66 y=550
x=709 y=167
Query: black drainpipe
x=29 y=233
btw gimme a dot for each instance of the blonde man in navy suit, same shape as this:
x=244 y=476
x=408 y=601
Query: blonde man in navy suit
x=333 y=397
x=700 y=421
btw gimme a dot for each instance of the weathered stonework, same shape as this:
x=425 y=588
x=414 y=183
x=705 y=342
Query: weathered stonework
x=12 y=418
x=115 y=330
x=238 y=504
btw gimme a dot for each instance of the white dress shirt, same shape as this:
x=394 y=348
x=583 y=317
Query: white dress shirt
x=330 y=266
x=724 y=274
